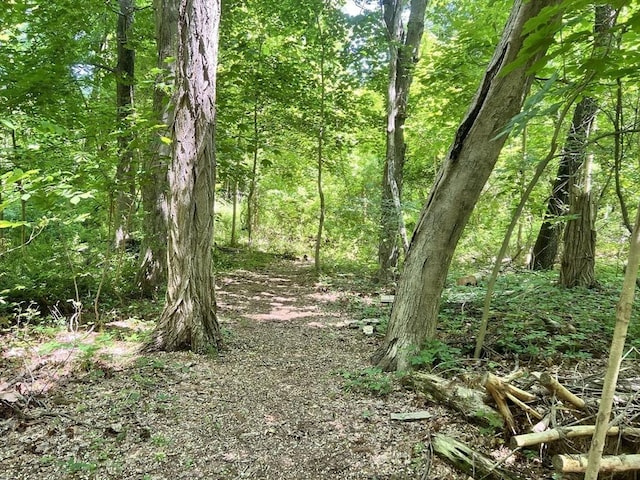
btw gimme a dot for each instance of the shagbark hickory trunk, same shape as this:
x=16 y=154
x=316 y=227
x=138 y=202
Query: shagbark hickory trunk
x=189 y=317
x=577 y=267
x=545 y=249
x=154 y=185
x=457 y=187
x=404 y=48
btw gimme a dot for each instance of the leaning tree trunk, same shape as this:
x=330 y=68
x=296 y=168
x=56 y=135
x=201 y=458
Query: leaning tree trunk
x=472 y=157
x=125 y=172
x=152 y=273
x=189 y=317
x=545 y=249
x=577 y=267
x=404 y=48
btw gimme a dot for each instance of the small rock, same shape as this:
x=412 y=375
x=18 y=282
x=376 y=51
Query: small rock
x=368 y=329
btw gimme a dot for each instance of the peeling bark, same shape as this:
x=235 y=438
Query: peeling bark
x=154 y=186
x=189 y=318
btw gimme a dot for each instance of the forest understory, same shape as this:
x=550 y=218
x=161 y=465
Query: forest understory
x=292 y=396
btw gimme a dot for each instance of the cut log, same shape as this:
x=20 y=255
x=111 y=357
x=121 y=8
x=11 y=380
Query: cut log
x=497 y=390
x=560 y=391
x=523 y=406
x=578 y=463
x=411 y=416
x=468 y=461
x=468 y=402
x=567 y=432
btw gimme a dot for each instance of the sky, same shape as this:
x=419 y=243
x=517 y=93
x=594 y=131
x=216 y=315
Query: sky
x=351 y=8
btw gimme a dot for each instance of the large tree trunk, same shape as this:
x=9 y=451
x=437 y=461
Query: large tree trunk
x=404 y=48
x=545 y=249
x=577 y=267
x=152 y=273
x=189 y=317
x=125 y=173
x=469 y=163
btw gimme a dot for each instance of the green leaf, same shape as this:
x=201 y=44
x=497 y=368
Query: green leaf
x=8 y=224
x=166 y=140
x=8 y=124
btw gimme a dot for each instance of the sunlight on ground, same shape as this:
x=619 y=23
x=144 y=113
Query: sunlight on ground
x=46 y=361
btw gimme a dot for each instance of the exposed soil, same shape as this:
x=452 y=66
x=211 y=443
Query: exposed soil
x=272 y=406
x=284 y=400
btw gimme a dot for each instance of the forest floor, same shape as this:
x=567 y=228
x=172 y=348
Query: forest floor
x=291 y=397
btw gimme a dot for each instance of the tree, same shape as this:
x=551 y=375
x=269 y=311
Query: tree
x=124 y=72
x=623 y=317
x=545 y=249
x=154 y=186
x=577 y=267
x=189 y=318
x=471 y=158
x=404 y=47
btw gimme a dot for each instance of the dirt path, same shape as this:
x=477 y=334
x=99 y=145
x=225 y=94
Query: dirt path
x=273 y=406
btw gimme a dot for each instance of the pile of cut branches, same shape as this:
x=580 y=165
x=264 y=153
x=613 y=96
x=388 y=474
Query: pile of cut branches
x=534 y=410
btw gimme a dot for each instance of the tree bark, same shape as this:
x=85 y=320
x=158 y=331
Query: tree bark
x=125 y=172
x=546 y=247
x=623 y=317
x=252 y=200
x=577 y=267
x=320 y=146
x=153 y=269
x=189 y=317
x=457 y=187
x=404 y=49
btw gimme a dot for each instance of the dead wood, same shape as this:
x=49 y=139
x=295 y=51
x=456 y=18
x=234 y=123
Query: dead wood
x=579 y=463
x=560 y=391
x=466 y=401
x=469 y=461
x=498 y=391
x=554 y=434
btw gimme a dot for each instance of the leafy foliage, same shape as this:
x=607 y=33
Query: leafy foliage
x=369 y=380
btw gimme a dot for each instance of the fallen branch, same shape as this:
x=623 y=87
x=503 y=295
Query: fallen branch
x=468 y=461
x=579 y=463
x=498 y=391
x=560 y=391
x=466 y=401
x=554 y=434
x=501 y=390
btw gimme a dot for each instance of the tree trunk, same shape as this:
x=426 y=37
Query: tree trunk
x=152 y=273
x=545 y=249
x=320 y=151
x=189 y=317
x=252 y=200
x=577 y=267
x=623 y=316
x=125 y=173
x=404 y=49
x=234 y=215
x=457 y=187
